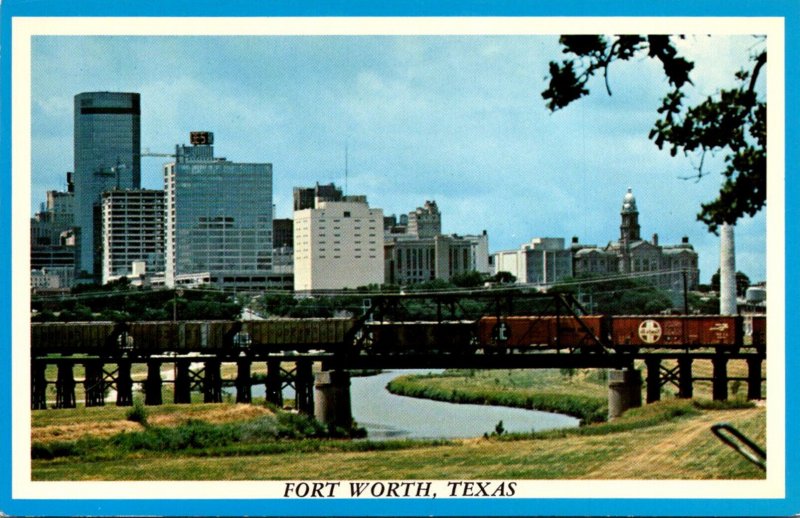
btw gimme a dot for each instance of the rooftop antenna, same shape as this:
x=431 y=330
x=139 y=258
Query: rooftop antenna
x=345 y=168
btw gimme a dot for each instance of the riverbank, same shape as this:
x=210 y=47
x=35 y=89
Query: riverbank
x=580 y=394
x=673 y=434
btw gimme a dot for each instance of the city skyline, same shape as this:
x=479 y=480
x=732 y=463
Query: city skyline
x=459 y=120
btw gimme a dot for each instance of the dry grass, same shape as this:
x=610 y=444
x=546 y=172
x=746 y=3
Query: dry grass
x=215 y=414
x=672 y=452
x=70 y=425
x=71 y=432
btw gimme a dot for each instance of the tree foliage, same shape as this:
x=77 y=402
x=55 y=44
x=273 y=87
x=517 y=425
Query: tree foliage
x=124 y=305
x=731 y=122
x=616 y=296
x=742 y=282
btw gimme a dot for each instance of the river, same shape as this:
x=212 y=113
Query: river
x=388 y=416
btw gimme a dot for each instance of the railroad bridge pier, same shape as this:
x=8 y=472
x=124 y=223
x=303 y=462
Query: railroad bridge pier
x=191 y=373
x=325 y=394
x=681 y=376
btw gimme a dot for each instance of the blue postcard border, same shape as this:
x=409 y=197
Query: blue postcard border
x=789 y=10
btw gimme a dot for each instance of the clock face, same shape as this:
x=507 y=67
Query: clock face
x=201 y=138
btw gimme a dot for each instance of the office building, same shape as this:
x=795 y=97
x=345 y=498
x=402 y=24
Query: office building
x=425 y=221
x=543 y=261
x=51 y=239
x=282 y=233
x=107 y=156
x=308 y=197
x=412 y=260
x=416 y=251
x=481 y=259
x=338 y=244
x=52 y=280
x=218 y=218
x=133 y=232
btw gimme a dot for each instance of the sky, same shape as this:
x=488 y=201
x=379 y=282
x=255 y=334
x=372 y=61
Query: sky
x=455 y=119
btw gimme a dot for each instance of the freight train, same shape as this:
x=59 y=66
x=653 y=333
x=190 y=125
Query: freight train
x=488 y=335
x=224 y=338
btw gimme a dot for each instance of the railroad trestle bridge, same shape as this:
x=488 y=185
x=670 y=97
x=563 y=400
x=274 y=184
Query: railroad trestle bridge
x=508 y=330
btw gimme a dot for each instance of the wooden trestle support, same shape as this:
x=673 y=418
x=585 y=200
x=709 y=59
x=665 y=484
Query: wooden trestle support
x=681 y=376
x=98 y=380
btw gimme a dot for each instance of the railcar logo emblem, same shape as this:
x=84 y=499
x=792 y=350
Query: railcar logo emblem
x=650 y=331
x=501 y=332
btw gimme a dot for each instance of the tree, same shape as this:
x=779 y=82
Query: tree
x=742 y=283
x=703 y=304
x=616 y=296
x=731 y=122
x=503 y=277
x=471 y=279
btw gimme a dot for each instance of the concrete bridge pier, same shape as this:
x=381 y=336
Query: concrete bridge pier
x=274 y=383
x=243 y=381
x=93 y=384
x=152 y=385
x=65 y=386
x=332 y=399
x=624 y=391
x=38 y=385
x=183 y=383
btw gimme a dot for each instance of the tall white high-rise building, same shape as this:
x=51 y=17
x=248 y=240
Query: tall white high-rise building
x=338 y=245
x=218 y=218
x=133 y=231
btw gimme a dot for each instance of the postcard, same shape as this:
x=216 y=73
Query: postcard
x=358 y=261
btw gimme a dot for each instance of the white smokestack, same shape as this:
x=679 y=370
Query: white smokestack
x=727 y=271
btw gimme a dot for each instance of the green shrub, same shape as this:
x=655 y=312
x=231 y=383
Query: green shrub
x=137 y=413
x=51 y=450
x=293 y=426
x=190 y=435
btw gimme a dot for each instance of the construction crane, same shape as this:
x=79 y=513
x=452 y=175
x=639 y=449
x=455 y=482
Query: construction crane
x=147 y=152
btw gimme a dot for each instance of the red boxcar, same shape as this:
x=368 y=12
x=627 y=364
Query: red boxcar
x=676 y=331
x=521 y=332
x=755 y=327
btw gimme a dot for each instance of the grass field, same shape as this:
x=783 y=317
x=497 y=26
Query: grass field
x=671 y=435
x=251 y=442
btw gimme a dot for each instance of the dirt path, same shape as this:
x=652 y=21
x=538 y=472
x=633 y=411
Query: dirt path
x=667 y=452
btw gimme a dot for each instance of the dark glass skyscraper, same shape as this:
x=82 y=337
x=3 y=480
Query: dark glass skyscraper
x=107 y=156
